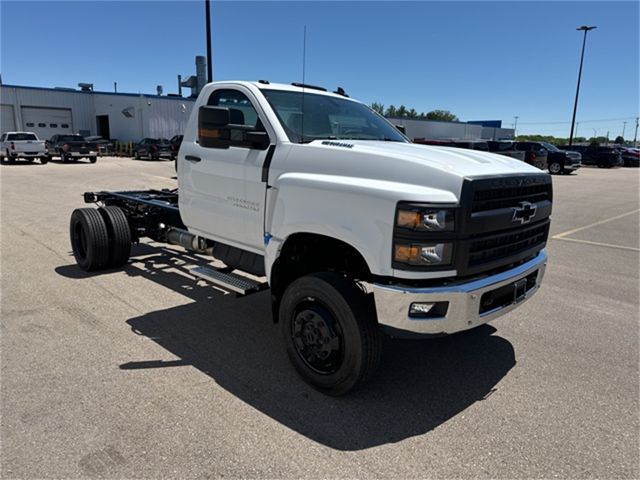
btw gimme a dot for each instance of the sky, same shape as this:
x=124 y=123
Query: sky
x=480 y=60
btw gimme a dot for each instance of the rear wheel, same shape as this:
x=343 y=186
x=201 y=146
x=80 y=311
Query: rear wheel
x=330 y=330
x=93 y=159
x=89 y=239
x=44 y=160
x=119 y=235
x=136 y=155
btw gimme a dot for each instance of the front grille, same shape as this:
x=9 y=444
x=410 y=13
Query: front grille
x=493 y=199
x=495 y=247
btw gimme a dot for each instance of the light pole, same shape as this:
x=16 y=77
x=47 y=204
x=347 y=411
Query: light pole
x=635 y=136
x=515 y=127
x=575 y=104
x=624 y=127
x=207 y=9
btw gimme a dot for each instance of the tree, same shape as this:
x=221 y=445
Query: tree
x=412 y=113
x=377 y=107
x=619 y=139
x=391 y=111
x=402 y=111
x=442 y=115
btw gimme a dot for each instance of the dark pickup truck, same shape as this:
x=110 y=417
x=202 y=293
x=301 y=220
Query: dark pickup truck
x=601 y=156
x=561 y=161
x=72 y=148
x=505 y=148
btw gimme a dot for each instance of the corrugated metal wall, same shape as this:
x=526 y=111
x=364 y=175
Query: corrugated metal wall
x=152 y=116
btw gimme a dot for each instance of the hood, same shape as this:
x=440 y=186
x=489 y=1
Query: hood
x=405 y=165
x=457 y=161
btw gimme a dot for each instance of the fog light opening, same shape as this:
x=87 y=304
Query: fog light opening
x=428 y=309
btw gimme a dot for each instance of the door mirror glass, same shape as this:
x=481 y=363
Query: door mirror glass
x=213 y=127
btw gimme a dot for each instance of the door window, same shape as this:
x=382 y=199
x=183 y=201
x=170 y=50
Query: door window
x=241 y=111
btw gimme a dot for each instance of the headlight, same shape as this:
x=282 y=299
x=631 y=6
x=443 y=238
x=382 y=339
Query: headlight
x=423 y=254
x=425 y=219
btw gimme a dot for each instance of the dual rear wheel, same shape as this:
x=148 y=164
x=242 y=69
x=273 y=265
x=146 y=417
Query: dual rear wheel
x=100 y=238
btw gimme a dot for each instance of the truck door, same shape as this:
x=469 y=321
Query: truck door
x=222 y=187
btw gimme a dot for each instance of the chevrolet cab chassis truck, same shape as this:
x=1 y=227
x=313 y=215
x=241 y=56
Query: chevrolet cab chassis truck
x=355 y=230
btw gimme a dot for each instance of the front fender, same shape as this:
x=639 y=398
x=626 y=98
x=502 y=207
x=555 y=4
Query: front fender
x=357 y=211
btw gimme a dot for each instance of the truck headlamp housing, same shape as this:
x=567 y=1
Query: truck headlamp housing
x=423 y=254
x=425 y=219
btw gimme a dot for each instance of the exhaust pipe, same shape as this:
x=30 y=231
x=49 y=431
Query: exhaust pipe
x=189 y=241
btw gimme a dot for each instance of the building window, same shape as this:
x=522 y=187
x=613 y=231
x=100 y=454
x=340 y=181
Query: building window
x=30 y=124
x=53 y=125
x=42 y=125
x=64 y=125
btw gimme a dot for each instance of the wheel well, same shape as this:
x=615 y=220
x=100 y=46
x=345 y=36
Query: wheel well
x=305 y=253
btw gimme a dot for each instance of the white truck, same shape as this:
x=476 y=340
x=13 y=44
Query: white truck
x=355 y=230
x=26 y=145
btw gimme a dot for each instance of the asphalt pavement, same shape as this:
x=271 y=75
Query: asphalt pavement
x=144 y=372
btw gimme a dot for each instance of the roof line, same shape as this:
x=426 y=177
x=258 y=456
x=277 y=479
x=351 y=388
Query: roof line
x=70 y=90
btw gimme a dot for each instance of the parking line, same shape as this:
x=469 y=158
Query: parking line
x=599 y=244
x=579 y=229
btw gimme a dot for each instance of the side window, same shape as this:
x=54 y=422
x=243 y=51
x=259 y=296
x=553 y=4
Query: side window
x=241 y=111
x=42 y=125
x=53 y=125
x=30 y=124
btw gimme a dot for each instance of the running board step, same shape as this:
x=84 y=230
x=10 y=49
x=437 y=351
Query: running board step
x=228 y=281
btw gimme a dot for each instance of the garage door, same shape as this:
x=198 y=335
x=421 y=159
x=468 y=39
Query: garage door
x=46 y=122
x=7 y=121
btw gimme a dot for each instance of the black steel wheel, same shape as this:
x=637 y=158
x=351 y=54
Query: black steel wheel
x=119 y=233
x=331 y=333
x=89 y=239
x=93 y=159
x=44 y=160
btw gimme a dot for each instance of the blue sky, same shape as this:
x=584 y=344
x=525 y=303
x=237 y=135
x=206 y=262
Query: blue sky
x=481 y=60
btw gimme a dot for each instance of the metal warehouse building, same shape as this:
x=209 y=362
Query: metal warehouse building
x=122 y=116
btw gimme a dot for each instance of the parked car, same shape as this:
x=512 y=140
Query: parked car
x=153 y=149
x=601 y=156
x=535 y=154
x=630 y=156
x=560 y=161
x=105 y=147
x=15 y=145
x=72 y=148
x=505 y=148
x=175 y=142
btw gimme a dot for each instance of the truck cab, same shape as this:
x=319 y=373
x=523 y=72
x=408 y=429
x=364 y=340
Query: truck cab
x=355 y=230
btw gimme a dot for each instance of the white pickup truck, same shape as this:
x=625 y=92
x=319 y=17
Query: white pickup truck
x=355 y=230
x=15 y=145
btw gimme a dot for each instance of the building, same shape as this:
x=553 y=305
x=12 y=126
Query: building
x=122 y=116
x=437 y=130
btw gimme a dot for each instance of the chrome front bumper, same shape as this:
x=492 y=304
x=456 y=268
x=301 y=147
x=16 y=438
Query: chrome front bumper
x=463 y=312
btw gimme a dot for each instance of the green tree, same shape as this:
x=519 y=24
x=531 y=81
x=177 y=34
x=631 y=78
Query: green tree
x=391 y=111
x=377 y=107
x=619 y=139
x=442 y=115
x=412 y=113
x=402 y=111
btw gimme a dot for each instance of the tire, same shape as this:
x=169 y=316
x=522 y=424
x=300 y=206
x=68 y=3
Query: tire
x=93 y=159
x=63 y=157
x=89 y=239
x=44 y=160
x=556 y=168
x=149 y=156
x=136 y=156
x=119 y=234
x=10 y=159
x=330 y=330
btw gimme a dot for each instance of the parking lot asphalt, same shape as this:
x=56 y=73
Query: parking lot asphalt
x=145 y=372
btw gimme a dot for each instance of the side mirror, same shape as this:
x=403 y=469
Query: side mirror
x=401 y=129
x=213 y=127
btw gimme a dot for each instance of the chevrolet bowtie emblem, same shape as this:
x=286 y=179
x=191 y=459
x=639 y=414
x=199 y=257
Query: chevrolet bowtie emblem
x=524 y=212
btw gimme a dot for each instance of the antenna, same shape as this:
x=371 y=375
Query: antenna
x=304 y=63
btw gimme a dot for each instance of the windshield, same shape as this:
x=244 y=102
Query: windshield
x=326 y=117
x=550 y=147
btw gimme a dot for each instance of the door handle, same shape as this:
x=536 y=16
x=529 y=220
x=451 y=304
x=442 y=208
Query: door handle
x=192 y=158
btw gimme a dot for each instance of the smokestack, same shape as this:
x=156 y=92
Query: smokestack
x=201 y=72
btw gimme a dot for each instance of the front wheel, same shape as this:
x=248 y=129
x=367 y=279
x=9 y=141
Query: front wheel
x=44 y=160
x=555 y=168
x=93 y=159
x=330 y=330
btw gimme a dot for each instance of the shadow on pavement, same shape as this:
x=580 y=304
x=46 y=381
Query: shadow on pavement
x=419 y=386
